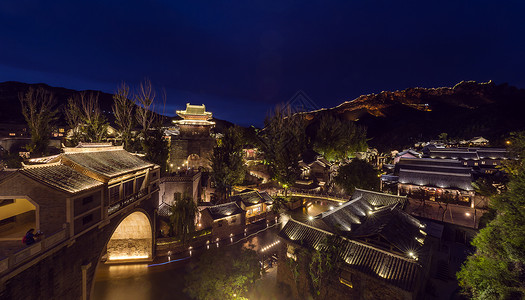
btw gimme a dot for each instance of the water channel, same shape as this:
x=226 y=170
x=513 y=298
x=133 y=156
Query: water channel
x=164 y=279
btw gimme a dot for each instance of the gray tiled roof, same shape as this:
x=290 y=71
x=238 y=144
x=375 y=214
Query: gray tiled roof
x=493 y=154
x=223 y=210
x=397 y=227
x=379 y=199
x=454 y=154
x=6 y=173
x=343 y=219
x=109 y=163
x=61 y=177
x=382 y=265
x=251 y=198
x=436 y=179
x=428 y=162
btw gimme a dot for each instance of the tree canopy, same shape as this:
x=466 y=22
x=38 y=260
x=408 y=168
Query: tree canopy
x=496 y=269
x=85 y=118
x=227 y=162
x=222 y=275
x=337 y=139
x=283 y=140
x=182 y=218
x=40 y=115
x=357 y=174
x=123 y=109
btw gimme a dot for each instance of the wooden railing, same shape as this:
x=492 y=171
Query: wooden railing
x=112 y=208
x=28 y=253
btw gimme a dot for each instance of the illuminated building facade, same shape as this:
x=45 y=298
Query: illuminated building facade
x=256 y=204
x=191 y=142
x=223 y=219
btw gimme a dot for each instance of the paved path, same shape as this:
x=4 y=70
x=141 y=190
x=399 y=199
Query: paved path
x=454 y=214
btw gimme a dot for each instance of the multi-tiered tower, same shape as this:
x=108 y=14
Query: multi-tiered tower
x=193 y=144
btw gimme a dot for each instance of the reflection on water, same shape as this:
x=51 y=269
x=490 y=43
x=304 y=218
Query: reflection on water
x=125 y=271
x=140 y=282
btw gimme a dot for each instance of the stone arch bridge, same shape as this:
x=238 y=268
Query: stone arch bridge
x=92 y=201
x=64 y=267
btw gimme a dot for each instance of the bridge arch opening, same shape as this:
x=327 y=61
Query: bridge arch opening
x=132 y=240
x=17 y=216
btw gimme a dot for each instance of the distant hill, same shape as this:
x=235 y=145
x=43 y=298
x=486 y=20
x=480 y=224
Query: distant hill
x=400 y=118
x=10 y=111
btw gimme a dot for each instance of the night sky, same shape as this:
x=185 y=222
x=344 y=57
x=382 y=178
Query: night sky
x=240 y=58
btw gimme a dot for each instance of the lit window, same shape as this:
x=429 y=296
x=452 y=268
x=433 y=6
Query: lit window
x=12 y=134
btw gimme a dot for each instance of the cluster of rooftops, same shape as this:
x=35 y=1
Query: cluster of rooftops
x=374 y=234
x=238 y=203
x=449 y=168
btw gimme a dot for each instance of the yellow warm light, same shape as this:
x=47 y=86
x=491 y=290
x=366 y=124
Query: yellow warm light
x=121 y=257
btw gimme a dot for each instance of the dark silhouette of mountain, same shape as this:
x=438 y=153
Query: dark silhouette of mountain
x=10 y=109
x=398 y=119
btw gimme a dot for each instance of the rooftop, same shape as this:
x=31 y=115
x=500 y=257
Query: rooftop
x=223 y=210
x=195 y=111
x=252 y=198
x=61 y=177
x=379 y=199
x=107 y=161
x=436 y=179
x=388 y=267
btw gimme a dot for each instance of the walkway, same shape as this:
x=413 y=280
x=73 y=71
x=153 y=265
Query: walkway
x=454 y=214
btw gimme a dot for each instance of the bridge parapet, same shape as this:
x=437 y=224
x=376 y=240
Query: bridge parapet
x=16 y=259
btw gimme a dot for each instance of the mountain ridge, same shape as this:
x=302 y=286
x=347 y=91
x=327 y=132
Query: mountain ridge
x=397 y=119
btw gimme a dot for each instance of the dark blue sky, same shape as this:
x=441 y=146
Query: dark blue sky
x=240 y=58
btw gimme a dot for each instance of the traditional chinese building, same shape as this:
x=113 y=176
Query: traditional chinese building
x=255 y=203
x=435 y=179
x=191 y=142
x=483 y=160
x=77 y=190
x=223 y=219
x=384 y=251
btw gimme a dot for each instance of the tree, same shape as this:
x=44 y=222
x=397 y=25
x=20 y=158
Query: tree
x=182 y=218
x=86 y=119
x=223 y=274
x=227 y=162
x=145 y=99
x=40 y=115
x=357 y=174
x=324 y=264
x=496 y=269
x=283 y=140
x=152 y=135
x=443 y=136
x=123 y=112
x=516 y=148
x=336 y=139
x=279 y=204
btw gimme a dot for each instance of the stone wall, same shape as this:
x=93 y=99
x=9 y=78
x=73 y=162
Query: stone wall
x=182 y=147
x=184 y=184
